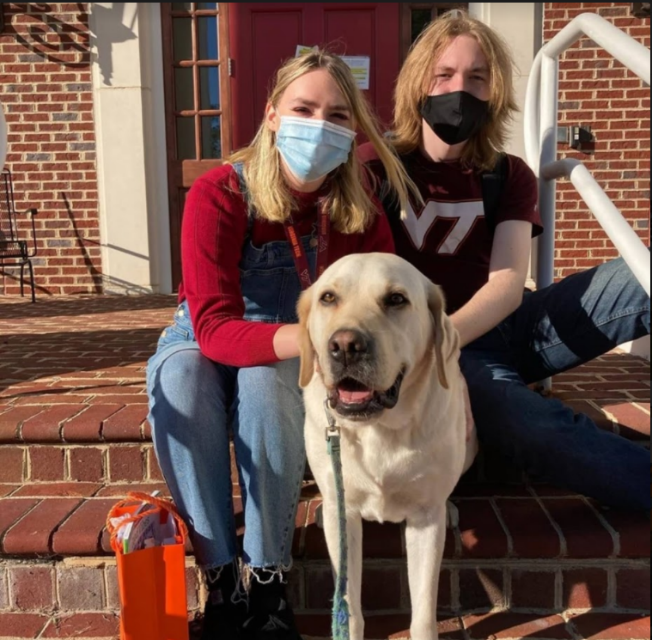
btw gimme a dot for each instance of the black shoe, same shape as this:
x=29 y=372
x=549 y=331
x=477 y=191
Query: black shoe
x=223 y=620
x=271 y=616
x=276 y=625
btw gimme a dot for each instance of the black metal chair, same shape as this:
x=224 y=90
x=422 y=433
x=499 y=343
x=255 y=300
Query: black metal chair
x=15 y=250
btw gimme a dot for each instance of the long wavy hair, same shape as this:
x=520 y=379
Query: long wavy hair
x=348 y=198
x=416 y=76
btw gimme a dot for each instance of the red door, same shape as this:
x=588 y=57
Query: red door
x=263 y=35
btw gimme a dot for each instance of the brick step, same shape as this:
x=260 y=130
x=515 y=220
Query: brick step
x=111 y=443
x=120 y=415
x=73 y=417
x=503 y=625
x=526 y=550
x=526 y=561
x=523 y=522
x=113 y=463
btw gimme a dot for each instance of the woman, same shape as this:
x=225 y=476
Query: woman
x=255 y=231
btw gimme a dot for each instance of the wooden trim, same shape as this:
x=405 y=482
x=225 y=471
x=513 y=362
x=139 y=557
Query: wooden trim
x=174 y=177
x=201 y=112
x=192 y=169
x=196 y=96
x=225 y=87
x=199 y=63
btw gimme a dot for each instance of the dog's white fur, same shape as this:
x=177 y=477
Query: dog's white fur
x=400 y=464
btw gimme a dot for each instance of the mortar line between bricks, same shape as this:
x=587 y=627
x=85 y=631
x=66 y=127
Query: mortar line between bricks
x=503 y=524
x=44 y=629
x=524 y=564
x=563 y=545
x=7 y=531
x=66 y=466
x=507 y=588
x=545 y=564
x=19 y=431
x=27 y=464
x=615 y=425
x=455 y=588
x=465 y=631
x=612 y=587
x=63 y=521
x=559 y=589
x=641 y=407
x=62 y=424
x=615 y=536
x=570 y=627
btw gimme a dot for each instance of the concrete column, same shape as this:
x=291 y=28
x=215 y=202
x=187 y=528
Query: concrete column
x=131 y=153
x=520 y=24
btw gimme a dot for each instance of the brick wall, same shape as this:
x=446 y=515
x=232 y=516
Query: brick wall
x=598 y=91
x=45 y=89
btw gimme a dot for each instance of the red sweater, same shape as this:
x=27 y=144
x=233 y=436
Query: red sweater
x=212 y=236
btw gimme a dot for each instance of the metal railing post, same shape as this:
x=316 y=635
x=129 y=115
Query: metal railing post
x=548 y=154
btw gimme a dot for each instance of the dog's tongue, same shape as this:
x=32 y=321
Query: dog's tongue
x=354 y=397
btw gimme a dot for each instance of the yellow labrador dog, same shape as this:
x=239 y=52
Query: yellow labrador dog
x=376 y=342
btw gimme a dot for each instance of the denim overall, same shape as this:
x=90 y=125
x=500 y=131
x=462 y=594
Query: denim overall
x=196 y=403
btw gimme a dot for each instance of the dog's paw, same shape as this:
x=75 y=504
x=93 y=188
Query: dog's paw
x=452 y=516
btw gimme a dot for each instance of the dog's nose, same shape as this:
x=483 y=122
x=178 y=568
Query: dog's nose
x=347 y=346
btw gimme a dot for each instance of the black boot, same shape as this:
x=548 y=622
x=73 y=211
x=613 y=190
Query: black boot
x=223 y=619
x=270 y=615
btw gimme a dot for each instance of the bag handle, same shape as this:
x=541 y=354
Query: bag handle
x=138 y=497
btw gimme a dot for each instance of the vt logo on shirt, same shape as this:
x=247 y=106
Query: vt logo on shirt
x=464 y=214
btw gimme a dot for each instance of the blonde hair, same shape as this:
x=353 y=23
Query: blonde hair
x=349 y=203
x=415 y=79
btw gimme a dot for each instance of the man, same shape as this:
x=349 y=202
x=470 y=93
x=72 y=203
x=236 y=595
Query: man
x=454 y=101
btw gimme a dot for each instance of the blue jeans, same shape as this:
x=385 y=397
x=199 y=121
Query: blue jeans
x=555 y=329
x=196 y=403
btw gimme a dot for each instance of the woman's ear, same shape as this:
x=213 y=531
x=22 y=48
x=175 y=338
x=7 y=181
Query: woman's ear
x=272 y=119
x=306 y=350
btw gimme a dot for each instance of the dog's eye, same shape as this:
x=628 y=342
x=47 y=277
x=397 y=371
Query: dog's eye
x=328 y=297
x=395 y=300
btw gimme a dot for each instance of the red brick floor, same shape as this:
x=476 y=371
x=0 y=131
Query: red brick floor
x=527 y=561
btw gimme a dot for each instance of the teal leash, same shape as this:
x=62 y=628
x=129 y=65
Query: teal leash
x=340 y=619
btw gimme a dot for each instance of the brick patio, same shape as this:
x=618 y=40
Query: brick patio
x=527 y=561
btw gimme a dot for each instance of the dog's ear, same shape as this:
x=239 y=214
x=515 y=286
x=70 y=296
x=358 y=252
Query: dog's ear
x=446 y=337
x=306 y=351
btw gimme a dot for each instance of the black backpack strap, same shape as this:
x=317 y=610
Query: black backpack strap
x=238 y=167
x=492 y=188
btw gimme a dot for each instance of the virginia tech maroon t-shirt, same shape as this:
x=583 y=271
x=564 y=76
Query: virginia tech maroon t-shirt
x=448 y=239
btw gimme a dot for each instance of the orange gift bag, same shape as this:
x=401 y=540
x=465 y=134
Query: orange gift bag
x=148 y=537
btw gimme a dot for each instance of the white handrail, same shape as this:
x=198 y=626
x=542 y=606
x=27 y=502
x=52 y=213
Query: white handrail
x=540 y=123
x=617 y=228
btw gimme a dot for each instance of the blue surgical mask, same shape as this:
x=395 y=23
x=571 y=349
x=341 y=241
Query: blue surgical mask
x=312 y=148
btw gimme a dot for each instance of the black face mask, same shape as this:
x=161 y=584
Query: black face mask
x=455 y=117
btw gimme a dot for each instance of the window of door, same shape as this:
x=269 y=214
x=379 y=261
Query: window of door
x=416 y=17
x=195 y=58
